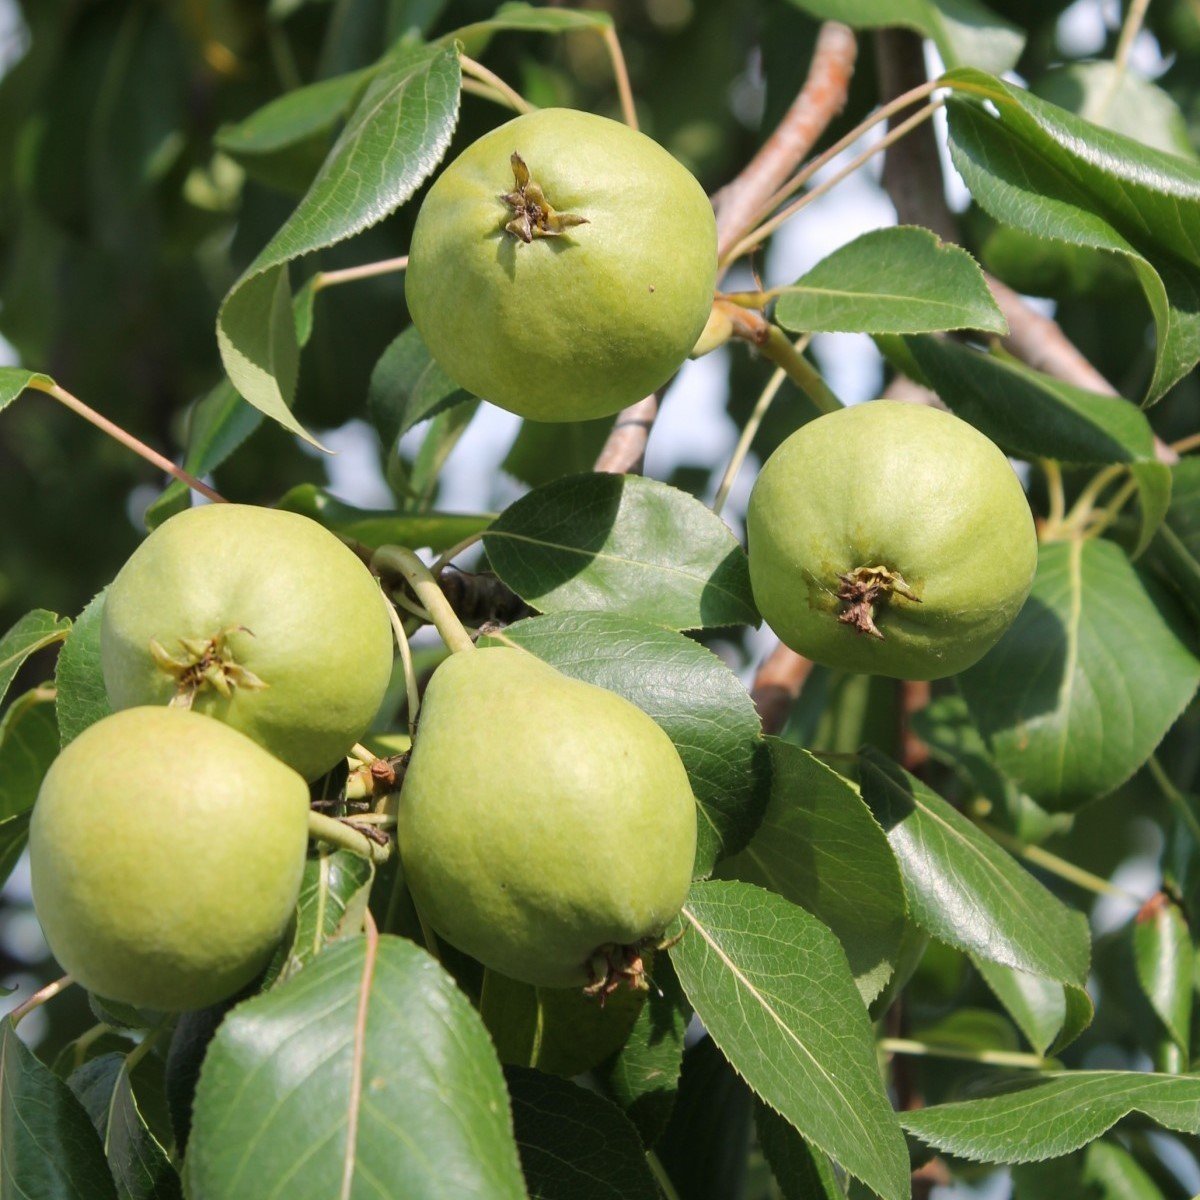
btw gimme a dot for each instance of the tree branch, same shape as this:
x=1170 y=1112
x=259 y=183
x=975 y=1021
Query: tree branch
x=777 y=685
x=822 y=97
x=912 y=175
x=738 y=203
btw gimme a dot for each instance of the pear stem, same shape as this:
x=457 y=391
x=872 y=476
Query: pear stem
x=410 y=675
x=39 y=998
x=420 y=579
x=506 y=94
x=337 y=833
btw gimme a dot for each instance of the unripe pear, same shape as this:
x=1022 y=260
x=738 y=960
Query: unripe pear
x=891 y=539
x=547 y=826
x=562 y=266
x=166 y=852
x=260 y=618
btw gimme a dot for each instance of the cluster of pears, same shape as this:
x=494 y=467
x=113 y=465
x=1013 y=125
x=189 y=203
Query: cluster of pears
x=245 y=650
x=563 y=267
x=546 y=826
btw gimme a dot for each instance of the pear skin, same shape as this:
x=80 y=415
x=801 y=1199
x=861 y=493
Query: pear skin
x=166 y=852
x=547 y=826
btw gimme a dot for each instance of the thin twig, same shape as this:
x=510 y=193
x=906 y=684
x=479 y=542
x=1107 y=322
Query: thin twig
x=756 y=236
x=385 y=266
x=39 y=998
x=1056 y=865
x=1130 y=28
x=1191 y=442
x=474 y=88
x=1055 y=490
x=126 y=439
x=746 y=439
x=821 y=98
x=446 y=557
x=612 y=44
x=624 y=451
x=406 y=661
x=334 y=832
x=1174 y=796
x=660 y=1176
x=477 y=70
x=994 y=1058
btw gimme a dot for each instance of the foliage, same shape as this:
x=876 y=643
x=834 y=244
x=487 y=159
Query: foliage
x=951 y=931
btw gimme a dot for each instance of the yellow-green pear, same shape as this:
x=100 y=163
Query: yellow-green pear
x=166 y=851
x=260 y=618
x=547 y=826
x=891 y=539
x=562 y=266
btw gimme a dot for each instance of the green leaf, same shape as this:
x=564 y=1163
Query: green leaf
x=818 y=846
x=774 y=991
x=801 y=1172
x=1036 y=166
x=623 y=544
x=1047 y=1117
x=1037 y=1005
x=375 y=528
x=397 y=134
x=28 y=745
x=530 y=18
x=945 y=726
x=642 y=1077
x=966 y=32
x=1165 y=961
x=1104 y=1171
x=48 y=1147
x=14 y=380
x=897 y=280
x=966 y=891
x=1032 y=415
x=559 y=1031
x=1083 y=686
x=139 y=1164
x=219 y=423
x=332 y=902
x=1176 y=550
x=1120 y=100
x=545 y=451
x=33 y=632
x=574 y=1144
x=294 y=117
x=703 y=1148
x=81 y=699
x=697 y=700
x=367 y=1073
x=408 y=387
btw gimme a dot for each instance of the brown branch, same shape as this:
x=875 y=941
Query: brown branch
x=625 y=450
x=738 y=203
x=912 y=175
x=823 y=96
x=777 y=685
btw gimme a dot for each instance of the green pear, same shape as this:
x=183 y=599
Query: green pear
x=260 y=618
x=562 y=266
x=547 y=826
x=890 y=539
x=166 y=852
